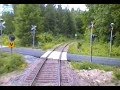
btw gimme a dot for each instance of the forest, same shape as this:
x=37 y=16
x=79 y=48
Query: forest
x=55 y=24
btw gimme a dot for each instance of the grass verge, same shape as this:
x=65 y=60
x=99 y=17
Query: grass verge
x=10 y=63
x=98 y=49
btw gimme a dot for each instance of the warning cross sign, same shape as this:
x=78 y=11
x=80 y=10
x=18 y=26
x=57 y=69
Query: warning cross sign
x=11 y=45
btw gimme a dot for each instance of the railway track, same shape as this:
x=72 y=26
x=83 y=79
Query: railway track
x=50 y=71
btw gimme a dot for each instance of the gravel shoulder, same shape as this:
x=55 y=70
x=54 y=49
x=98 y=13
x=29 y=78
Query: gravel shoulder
x=94 y=77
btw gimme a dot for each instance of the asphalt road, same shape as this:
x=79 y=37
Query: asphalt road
x=70 y=57
x=25 y=51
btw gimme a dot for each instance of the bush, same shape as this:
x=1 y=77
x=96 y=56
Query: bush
x=60 y=38
x=99 y=49
x=11 y=63
x=47 y=46
x=48 y=41
x=45 y=37
x=5 y=40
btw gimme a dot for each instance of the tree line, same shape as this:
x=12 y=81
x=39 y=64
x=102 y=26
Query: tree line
x=55 y=20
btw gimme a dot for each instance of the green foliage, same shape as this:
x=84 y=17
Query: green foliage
x=9 y=27
x=79 y=45
x=99 y=49
x=73 y=48
x=117 y=73
x=88 y=66
x=10 y=63
x=45 y=37
x=57 y=21
x=48 y=41
x=69 y=24
x=47 y=46
x=6 y=41
x=50 y=19
x=103 y=15
x=115 y=51
x=27 y=15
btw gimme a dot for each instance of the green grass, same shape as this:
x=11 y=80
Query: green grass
x=10 y=63
x=88 y=66
x=47 y=46
x=99 y=49
x=55 y=42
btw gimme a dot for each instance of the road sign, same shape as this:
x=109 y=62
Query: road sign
x=11 y=38
x=11 y=45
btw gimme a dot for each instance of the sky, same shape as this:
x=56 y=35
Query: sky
x=75 y=6
x=70 y=6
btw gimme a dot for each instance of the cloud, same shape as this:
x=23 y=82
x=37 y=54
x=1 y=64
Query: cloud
x=75 y=6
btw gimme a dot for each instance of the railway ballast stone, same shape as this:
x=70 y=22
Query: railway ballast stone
x=96 y=77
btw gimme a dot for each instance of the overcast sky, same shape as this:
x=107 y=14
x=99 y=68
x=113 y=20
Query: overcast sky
x=75 y=6
x=70 y=6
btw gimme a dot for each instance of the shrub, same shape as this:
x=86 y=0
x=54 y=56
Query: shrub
x=117 y=73
x=11 y=63
x=45 y=37
x=99 y=49
x=5 y=40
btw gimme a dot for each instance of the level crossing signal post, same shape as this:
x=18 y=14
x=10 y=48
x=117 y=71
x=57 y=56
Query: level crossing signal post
x=11 y=44
x=111 y=38
x=91 y=40
x=33 y=31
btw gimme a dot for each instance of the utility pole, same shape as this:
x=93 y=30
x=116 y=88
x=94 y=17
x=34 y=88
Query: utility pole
x=91 y=41
x=111 y=38
x=33 y=30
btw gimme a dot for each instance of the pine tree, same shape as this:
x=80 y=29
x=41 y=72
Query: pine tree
x=27 y=15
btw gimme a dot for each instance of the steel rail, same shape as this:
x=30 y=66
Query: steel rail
x=59 y=62
x=32 y=83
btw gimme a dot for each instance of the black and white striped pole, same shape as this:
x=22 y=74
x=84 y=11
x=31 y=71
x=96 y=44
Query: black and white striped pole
x=111 y=38
x=33 y=30
x=91 y=41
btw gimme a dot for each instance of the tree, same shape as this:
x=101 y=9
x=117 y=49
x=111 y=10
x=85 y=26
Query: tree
x=27 y=15
x=69 y=24
x=50 y=19
x=59 y=20
x=8 y=18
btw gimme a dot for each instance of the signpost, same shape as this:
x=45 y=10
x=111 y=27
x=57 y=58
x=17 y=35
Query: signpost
x=91 y=40
x=111 y=37
x=11 y=44
x=33 y=30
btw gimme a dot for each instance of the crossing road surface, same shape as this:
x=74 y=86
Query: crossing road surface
x=70 y=57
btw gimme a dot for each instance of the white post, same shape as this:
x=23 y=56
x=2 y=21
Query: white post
x=91 y=42
x=33 y=40
x=33 y=34
x=111 y=37
x=111 y=42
